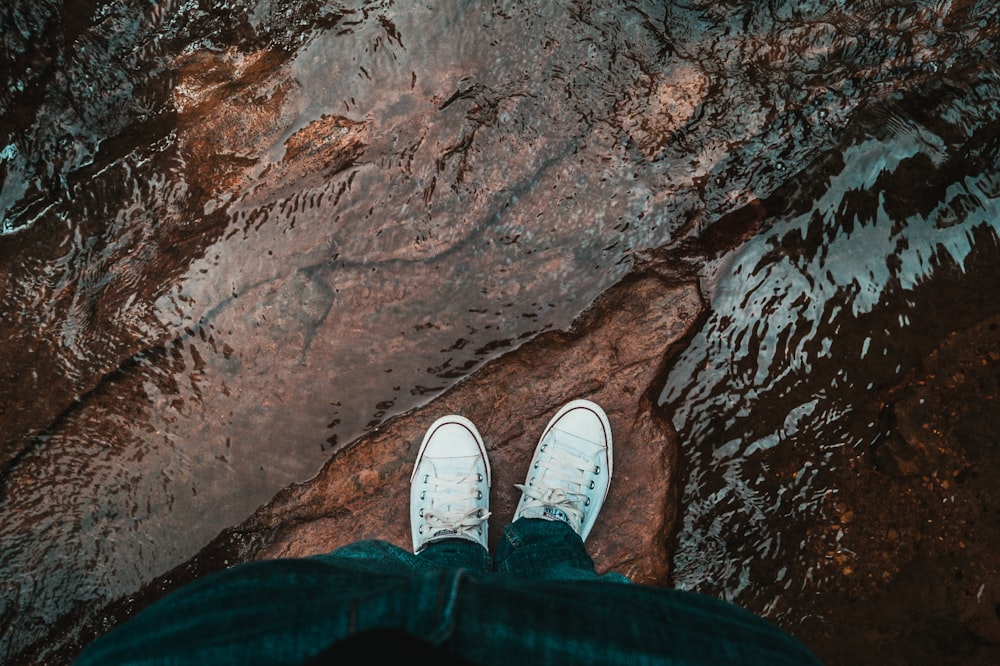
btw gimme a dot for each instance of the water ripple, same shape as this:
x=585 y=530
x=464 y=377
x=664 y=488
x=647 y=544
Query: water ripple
x=831 y=302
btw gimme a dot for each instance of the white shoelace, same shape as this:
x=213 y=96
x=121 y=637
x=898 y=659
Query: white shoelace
x=453 y=498
x=564 y=487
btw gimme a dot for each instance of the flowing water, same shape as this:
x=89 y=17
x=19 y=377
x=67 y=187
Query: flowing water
x=236 y=235
x=888 y=243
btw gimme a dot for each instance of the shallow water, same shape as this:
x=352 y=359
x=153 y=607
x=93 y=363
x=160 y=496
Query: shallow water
x=875 y=252
x=237 y=235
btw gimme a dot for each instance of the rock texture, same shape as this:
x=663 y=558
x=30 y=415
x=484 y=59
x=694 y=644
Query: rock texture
x=363 y=491
x=614 y=354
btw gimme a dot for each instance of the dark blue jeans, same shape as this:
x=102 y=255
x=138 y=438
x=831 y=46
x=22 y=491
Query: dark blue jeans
x=541 y=602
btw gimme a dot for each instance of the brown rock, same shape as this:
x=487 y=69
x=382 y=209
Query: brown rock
x=614 y=354
x=362 y=493
x=672 y=99
x=897 y=457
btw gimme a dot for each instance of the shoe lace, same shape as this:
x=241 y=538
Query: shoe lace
x=453 y=499
x=563 y=486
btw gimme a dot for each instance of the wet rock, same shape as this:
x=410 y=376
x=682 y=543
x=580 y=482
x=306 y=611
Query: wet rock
x=231 y=106
x=980 y=612
x=657 y=116
x=363 y=491
x=613 y=354
x=925 y=525
x=979 y=434
x=896 y=457
x=234 y=110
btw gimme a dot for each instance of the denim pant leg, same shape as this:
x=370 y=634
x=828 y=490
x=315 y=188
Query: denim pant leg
x=547 y=549
x=457 y=554
x=379 y=557
x=547 y=605
x=513 y=620
x=285 y=611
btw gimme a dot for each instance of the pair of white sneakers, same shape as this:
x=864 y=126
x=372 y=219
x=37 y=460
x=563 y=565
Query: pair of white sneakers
x=568 y=479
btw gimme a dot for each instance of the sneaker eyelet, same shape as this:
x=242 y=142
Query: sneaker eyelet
x=592 y=485
x=587 y=502
x=423 y=494
x=479 y=477
x=479 y=494
x=421 y=512
x=597 y=470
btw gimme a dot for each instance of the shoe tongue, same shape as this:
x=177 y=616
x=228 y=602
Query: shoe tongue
x=444 y=533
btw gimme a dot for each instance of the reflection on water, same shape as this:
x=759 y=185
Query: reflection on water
x=237 y=234
x=835 y=300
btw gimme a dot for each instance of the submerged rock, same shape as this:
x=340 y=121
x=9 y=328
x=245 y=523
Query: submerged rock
x=614 y=354
x=914 y=578
x=363 y=492
x=236 y=237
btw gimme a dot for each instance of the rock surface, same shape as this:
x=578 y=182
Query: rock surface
x=614 y=354
x=363 y=492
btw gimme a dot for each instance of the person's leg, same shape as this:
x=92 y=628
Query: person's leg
x=449 y=506
x=286 y=611
x=550 y=549
x=565 y=488
x=385 y=559
x=449 y=496
x=507 y=619
x=457 y=554
x=270 y=611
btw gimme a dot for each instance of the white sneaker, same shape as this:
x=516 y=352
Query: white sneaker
x=450 y=484
x=571 y=470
